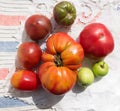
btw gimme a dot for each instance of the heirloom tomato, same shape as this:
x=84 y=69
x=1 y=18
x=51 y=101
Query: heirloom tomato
x=64 y=13
x=25 y=80
x=29 y=55
x=97 y=40
x=38 y=27
x=63 y=56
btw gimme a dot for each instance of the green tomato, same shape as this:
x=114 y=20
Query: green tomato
x=64 y=13
x=85 y=76
x=100 y=68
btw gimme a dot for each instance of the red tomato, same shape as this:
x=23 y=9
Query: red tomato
x=29 y=55
x=63 y=56
x=25 y=80
x=97 y=40
x=38 y=27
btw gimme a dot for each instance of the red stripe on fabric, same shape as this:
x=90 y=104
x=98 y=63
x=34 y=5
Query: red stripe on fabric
x=8 y=20
x=3 y=73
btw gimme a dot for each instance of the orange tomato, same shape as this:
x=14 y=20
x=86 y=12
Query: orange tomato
x=63 y=56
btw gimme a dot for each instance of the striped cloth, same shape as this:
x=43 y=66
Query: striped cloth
x=13 y=14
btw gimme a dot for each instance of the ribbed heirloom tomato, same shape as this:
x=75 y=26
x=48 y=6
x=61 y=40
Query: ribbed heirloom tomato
x=63 y=56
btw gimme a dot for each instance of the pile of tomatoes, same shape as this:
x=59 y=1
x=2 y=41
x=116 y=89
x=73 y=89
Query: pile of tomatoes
x=55 y=68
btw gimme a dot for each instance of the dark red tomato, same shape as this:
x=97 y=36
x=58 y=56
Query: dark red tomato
x=38 y=27
x=29 y=55
x=25 y=80
x=96 y=40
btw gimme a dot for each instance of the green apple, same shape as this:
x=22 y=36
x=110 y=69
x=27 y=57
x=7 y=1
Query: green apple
x=100 y=68
x=85 y=76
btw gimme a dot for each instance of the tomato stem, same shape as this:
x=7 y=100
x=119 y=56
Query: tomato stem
x=58 y=60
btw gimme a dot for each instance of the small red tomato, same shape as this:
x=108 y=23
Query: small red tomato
x=38 y=27
x=96 y=40
x=25 y=80
x=29 y=55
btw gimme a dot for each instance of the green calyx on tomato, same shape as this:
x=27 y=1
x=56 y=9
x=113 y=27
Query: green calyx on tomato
x=64 y=13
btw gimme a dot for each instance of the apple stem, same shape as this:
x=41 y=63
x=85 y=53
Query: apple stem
x=102 y=65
